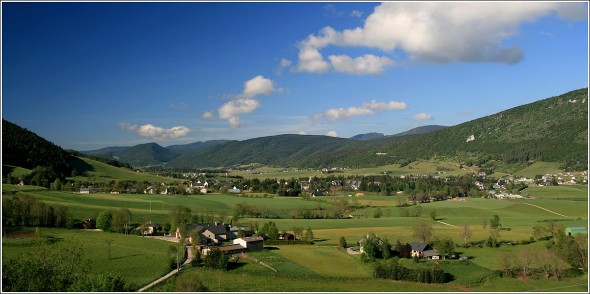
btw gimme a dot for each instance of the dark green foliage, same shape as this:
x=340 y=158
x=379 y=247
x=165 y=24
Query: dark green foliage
x=270 y=230
x=61 y=268
x=216 y=259
x=391 y=269
x=495 y=222
x=26 y=210
x=23 y=148
x=146 y=154
x=342 y=242
x=104 y=221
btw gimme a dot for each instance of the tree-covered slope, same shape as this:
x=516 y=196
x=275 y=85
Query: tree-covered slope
x=145 y=155
x=554 y=129
x=23 y=148
x=283 y=150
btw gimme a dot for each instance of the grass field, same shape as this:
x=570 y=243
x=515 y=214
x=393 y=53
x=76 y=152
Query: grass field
x=95 y=171
x=322 y=267
x=138 y=260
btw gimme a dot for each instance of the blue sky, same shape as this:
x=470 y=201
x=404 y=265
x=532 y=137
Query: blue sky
x=91 y=75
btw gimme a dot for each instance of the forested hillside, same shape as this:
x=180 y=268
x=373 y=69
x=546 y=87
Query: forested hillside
x=23 y=148
x=554 y=129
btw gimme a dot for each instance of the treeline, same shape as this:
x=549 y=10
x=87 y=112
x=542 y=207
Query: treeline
x=391 y=269
x=26 y=210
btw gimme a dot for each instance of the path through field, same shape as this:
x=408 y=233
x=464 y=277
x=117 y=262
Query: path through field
x=537 y=206
x=173 y=272
x=446 y=224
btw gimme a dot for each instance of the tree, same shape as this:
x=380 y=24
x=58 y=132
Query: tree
x=445 y=247
x=309 y=234
x=422 y=232
x=495 y=222
x=433 y=214
x=298 y=232
x=342 y=242
x=121 y=220
x=104 y=220
x=465 y=233
x=57 y=185
x=525 y=259
x=538 y=232
x=377 y=213
x=504 y=261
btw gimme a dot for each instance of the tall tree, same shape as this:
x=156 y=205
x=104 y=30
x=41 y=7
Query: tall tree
x=423 y=232
x=465 y=233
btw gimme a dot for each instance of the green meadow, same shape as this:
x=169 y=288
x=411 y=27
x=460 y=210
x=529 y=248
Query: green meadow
x=137 y=259
x=322 y=267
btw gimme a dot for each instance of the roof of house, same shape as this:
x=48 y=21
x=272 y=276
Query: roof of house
x=251 y=239
x=429 y=253
x=420 y=247
x=216 y=229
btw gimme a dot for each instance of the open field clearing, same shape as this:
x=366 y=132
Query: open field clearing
x=129 y=253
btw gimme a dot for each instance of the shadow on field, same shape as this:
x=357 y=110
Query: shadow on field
x=130 y=255
x=271 y=248
x=235 y=265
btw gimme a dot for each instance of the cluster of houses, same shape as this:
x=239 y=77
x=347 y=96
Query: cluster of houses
x=212 y=236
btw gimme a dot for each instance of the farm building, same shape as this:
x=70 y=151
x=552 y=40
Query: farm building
x=572 y=231
x=250 y=243
x=423 y=250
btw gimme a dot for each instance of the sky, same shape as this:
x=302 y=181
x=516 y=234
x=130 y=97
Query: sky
x=90 y=75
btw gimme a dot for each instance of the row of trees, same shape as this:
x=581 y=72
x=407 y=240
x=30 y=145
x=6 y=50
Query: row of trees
x=26 y=210
x=391 y=269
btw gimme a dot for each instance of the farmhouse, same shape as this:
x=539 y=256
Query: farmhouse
x=229 y=249
x=215 y=233
x=423 y=250
x=88 y=190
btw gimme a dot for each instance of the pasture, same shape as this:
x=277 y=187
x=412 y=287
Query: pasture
x=323 y=267
x=129 y=253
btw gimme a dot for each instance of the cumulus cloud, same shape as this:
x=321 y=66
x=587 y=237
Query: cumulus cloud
x=259 y=85
x=301 y=133
x=334 y=114
x=364 y=65
x=422 y=116
x=332 y=134
x=232 y=109
x=155 y=132
x=244 y=103
x=437 y=32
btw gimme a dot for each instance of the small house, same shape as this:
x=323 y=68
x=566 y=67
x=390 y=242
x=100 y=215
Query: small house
x=250 y=243
x=423 y=250
x=287 y=236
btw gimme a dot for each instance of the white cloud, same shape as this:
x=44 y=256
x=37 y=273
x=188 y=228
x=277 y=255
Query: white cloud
x=334 y=114
x=232 y=109
x=422 y=116
x=244 y=103
x=259 y=85
x=364 y=65
x=301 y=133
x=208 y=115
x=155 y=132
x=437 y=32
x=332 y=134
x=283 y=64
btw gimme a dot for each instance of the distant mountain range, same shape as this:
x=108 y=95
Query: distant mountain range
x=554 y=129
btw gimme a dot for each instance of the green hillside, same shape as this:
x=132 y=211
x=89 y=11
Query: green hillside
x=551 y=130
x=145 y=154
x=96 y=171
